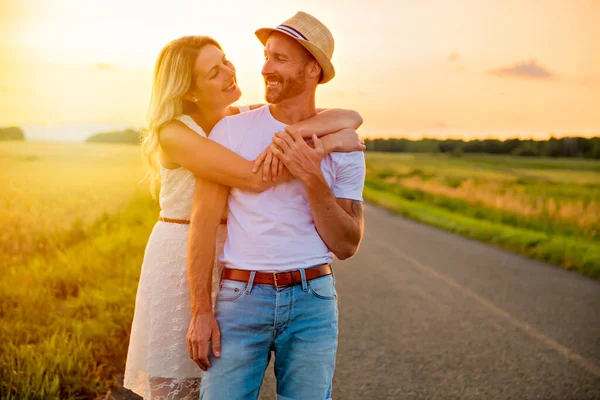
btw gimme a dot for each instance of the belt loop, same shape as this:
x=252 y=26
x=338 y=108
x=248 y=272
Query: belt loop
x=332 y=274
x=250 y=282
x=304 y=284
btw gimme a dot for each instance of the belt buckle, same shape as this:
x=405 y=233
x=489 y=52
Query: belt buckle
x=275 y=280
x=277 y=285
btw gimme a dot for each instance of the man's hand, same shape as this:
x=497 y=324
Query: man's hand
x=300 y=159
x=203 y=329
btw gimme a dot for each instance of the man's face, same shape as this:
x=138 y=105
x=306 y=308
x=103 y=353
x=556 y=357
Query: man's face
x=285 y=68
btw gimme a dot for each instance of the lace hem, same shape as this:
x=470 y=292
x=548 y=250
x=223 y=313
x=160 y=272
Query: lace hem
x=163 y=388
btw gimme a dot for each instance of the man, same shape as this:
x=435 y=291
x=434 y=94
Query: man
x=277 y=290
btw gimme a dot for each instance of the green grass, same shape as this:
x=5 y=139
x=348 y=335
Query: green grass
x=570 y=253
x=65 y=317
x=545 y=209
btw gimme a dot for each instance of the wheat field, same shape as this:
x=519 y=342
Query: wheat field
x=75 y=220
x=50 y=190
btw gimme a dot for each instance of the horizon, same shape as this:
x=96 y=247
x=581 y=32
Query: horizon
x=467 y=70
x=80 y=132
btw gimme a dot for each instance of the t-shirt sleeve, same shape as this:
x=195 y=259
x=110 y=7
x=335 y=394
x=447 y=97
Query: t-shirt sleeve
x=350 y=176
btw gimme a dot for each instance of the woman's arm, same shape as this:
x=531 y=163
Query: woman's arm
x=327 y=121
x=338 y=127
x=209 y=160
x=343 y=141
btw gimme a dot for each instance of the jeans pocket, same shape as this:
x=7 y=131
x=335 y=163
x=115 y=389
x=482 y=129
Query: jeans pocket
x=323 y=288
x=231 y=290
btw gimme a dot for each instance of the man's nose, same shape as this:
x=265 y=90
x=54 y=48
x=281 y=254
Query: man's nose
x=266 y=68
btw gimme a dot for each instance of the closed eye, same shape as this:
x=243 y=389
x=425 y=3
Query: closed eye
x=215 y=71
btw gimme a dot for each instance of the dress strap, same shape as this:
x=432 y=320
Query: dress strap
x=190 y=123
x=243 y=108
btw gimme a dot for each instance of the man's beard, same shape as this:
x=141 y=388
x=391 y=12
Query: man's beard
x=290 y=87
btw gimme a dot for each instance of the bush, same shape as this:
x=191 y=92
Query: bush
x=12 y=133
x=130 y=136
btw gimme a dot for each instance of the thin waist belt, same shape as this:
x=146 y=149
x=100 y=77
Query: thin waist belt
x=183 y=221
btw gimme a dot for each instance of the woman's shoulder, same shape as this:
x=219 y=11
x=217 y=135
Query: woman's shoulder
x=182 y=123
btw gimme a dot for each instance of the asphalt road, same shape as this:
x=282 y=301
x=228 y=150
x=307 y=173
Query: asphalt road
x=426 y=314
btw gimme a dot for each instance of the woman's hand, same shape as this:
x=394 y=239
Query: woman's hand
x=343 y=141
x=271 y=166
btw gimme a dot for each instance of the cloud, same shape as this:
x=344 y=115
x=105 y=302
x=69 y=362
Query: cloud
x=452 y=57
x=105 y=66
x=526 y=70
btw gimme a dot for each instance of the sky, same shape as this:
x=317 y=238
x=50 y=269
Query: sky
x=412 y=68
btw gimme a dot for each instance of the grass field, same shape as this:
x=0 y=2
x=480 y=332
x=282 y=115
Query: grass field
x=543 y=208
x=75 y=221
x=52 y=192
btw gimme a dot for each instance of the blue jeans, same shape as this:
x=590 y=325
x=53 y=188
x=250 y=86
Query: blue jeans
x=299 y=324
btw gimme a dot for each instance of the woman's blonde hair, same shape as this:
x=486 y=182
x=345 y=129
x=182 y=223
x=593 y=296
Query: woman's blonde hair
x=173 y=79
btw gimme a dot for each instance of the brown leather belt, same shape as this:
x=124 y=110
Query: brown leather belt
x=277 y=279
x=182 y=221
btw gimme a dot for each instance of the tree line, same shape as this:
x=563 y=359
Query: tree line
x=12 y=133
x=553 y=147
x=130 y=136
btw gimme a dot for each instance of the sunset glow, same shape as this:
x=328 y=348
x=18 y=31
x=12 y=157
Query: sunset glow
x=436 y=68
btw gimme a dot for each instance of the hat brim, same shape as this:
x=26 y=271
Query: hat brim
x=326 y=65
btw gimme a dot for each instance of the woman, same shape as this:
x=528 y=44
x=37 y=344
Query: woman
x=192 y=91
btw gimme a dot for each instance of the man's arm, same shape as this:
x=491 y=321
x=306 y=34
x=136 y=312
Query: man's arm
x=340 y=222
x=208 y=206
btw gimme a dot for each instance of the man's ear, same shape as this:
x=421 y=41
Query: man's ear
x=314 y=69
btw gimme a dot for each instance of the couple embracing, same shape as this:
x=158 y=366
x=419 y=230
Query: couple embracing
x=254 y=201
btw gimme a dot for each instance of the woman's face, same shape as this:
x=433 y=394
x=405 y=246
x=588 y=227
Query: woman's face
x=214 y=82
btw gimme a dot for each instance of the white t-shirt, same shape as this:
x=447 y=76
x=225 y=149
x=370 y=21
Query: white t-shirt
x=274 y=230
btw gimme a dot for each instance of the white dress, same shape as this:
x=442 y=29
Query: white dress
x=158 y=364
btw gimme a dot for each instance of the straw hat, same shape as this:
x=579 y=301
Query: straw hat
x=310 y=33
